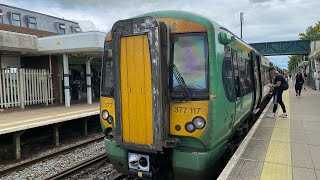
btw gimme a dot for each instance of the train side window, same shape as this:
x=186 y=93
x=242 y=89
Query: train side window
x=237 y=80
x=250 y=78
x=227 y=75
x=244 y=88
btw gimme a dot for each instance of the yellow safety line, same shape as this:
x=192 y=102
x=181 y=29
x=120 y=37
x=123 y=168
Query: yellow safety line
x=46 y=117
x=277 y=163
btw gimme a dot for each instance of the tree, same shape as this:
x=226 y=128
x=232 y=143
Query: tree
x=310 y=34
x=294 y=61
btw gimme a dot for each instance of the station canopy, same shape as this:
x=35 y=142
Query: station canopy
x=18 y=43
x=86 y=43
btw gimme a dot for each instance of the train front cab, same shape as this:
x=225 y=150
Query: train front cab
x=147 y=110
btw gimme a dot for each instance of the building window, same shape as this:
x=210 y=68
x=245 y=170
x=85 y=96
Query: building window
x=16 y=19
x=32 y=22
x=1 y=17
x=62 y=28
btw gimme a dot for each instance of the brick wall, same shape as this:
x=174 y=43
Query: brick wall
x=38 y=33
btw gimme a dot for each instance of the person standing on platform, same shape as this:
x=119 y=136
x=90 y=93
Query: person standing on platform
x=305 y=80
x=299 y=83
x=278 y=88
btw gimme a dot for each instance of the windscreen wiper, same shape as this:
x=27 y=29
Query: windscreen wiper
x=111 y=92
x=185 y=90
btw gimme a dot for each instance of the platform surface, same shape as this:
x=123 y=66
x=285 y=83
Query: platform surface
x=22 y=120
x=281 y=148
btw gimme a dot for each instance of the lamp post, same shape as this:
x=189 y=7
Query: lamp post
x=241 y=22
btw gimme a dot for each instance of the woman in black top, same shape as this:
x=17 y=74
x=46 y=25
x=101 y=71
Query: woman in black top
x=299 y=83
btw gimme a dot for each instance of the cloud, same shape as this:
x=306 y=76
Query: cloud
x=262 y=1
x=264 y=20
x=87 y=25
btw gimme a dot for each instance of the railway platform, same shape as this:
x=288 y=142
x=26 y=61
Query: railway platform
x=17 y=122
x=281 y=148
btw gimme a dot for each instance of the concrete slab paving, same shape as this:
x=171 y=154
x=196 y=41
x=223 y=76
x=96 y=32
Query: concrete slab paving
x=315 y=154
x=256 y=150
x=303 y=173
x=282 y=148
x=311 y=125
x=251 y=170
x=263 y=134
x=296 y=124
x=318 y=174
x=298 y=136
x=313 y=137
x=301 y=156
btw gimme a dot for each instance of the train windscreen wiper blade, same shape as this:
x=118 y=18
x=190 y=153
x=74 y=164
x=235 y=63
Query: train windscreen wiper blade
x=185 y=90
x=111 y=92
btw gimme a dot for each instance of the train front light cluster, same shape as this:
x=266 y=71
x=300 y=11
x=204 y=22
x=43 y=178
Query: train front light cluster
x=106 y=116
x=197 y=123
x=139 y=162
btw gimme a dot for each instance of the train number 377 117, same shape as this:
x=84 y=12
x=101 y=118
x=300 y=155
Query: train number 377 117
x=187 y=110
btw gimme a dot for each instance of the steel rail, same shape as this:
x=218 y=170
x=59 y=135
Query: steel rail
x=73 y=170
x=22 y=165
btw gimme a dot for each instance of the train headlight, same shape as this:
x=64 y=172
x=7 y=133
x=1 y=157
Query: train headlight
x=199 y=122
x=134 y=160
x=110 y=119
x=104 y=114
x=190 y=127
x=143 y=162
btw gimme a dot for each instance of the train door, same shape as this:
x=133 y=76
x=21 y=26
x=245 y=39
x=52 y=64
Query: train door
x=140 y=83
x=237 y=86
x=256 y=70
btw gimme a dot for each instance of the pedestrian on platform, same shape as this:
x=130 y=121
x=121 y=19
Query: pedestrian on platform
x=305 y=80
x=299 y=82
x=278 y=88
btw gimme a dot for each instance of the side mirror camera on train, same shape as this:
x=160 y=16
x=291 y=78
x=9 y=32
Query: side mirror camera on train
x=223 y=38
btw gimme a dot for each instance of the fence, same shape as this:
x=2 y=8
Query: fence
x=20 y=87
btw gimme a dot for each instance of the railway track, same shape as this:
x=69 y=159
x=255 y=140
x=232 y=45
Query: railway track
x=27 y=163
x=121 y=177
x=69 y=172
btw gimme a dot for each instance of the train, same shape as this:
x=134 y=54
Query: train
x=175 y=88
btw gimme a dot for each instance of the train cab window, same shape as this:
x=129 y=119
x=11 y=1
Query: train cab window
x=107 y=71
x=190 y=56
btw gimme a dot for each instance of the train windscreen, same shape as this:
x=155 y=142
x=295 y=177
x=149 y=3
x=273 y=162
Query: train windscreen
x=190 y=56
x=107 y=71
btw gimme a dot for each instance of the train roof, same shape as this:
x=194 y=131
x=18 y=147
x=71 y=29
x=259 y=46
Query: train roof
x=196 y=18
x=184 y=15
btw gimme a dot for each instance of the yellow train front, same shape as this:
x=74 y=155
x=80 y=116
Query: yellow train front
x=169 y=100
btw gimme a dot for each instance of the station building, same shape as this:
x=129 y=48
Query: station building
x=46 y=60
x=314 y=66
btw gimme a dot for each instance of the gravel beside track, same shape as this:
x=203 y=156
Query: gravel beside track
x=48 y=168
x=103 y=171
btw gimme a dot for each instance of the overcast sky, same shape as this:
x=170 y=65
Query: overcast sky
x=265 y=20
